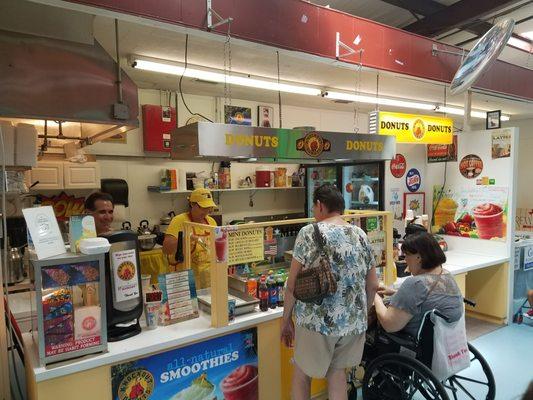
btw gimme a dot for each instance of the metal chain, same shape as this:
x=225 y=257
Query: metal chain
x=357 y=92
x=227 y=67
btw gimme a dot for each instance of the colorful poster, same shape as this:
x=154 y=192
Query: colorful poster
x=501 y=144
x=413 y=180
x=245 y=245
x=220 y=368
x=395 y=204
x=477 y=212
x=237 y=115
x=442 y=152
x=524 y=219
x=64 y=205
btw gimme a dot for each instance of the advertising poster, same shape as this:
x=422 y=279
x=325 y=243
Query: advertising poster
x=398 y=166
x=524 y=219
x=237 y=115
x=442 y=152
x=395 y=203
x=501 y=144
x=413 y=180
x=220 y=368
x=471 y=166
x=476 y=212
x=125 y=270
x=245 y=245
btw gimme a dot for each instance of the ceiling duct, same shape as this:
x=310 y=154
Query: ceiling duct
x=56 y=80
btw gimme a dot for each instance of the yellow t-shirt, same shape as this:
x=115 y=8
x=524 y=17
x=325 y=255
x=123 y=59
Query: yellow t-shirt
x=199 y=249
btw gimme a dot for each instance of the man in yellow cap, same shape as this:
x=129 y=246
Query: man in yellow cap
x=201 y=204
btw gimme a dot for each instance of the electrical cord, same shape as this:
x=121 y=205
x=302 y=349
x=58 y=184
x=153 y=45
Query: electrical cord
x=440 y=193
x=181 y=79
x=10 y=341
x=279 y=94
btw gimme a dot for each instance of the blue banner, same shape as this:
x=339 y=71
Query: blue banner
x=224 y=368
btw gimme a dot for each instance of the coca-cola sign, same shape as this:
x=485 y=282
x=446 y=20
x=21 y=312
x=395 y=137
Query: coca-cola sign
x=398 y=166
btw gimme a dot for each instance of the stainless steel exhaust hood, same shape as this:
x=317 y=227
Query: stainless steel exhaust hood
x=211 y=141
x=56 y=80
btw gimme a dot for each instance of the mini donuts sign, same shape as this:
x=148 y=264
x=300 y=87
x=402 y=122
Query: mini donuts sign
x=398 y=166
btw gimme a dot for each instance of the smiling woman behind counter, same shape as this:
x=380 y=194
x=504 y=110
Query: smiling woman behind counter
x=201 y=204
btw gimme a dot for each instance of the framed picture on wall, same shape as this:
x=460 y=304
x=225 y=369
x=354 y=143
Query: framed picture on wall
x=493 y=120
x=414 y=201
x=236 y=115
x=265 y=116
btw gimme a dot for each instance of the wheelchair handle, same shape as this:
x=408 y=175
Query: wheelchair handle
x=439 y=314
x=469 y=302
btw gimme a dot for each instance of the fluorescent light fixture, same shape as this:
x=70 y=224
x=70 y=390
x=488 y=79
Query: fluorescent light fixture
x=205 y=75
x=219 y=77
x=378 y=100
x=460 y=111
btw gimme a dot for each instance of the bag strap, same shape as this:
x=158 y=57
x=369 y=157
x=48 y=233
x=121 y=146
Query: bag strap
x=319 y=239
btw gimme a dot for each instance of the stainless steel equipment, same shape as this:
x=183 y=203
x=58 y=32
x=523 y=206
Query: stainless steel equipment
x=15 y=269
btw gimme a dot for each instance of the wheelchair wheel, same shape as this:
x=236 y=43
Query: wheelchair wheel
x=396 y=377
x=468 y=383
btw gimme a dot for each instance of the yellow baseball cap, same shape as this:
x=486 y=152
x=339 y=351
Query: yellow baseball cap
x=203 y=198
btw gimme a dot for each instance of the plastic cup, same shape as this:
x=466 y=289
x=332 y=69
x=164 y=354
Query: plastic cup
x=231 y=309
x=241 y=384
x=146 y=279
x=220 y=247
x=151 y=311
x=489 y=226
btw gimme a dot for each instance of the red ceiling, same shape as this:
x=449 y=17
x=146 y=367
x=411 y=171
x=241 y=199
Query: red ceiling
x=301 y=26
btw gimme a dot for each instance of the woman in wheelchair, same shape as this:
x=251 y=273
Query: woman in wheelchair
x=430 y=287
x=399 y=365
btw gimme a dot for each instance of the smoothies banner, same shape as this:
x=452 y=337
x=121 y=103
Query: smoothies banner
x=224 y=368
x=245 y=245
x=475 y=212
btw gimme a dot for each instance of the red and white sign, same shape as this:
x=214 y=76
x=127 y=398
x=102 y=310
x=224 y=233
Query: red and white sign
x=398 y=166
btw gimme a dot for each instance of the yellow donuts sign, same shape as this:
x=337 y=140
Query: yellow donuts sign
x=410 y=128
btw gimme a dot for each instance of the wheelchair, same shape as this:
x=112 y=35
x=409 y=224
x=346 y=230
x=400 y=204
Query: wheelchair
x=398 y=366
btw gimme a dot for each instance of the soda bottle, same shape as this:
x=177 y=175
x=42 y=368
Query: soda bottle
x=280 y=281
x=251 y=286
x=263 y=294
x=272 y=292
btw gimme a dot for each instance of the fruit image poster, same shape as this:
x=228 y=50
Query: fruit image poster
x=478 y=212
x=220 y=368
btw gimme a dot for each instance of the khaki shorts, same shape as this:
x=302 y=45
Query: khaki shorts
x=315 y=353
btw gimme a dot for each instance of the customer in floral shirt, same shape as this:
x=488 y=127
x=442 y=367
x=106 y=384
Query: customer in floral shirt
x=330 y=337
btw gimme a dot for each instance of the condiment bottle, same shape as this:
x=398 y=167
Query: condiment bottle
x=263 y=294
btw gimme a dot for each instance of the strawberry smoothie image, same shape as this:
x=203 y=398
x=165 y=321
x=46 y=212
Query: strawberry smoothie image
x=241 y=384
x=489 y=221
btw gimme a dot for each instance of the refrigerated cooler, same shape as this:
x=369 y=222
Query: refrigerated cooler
x=361 y=184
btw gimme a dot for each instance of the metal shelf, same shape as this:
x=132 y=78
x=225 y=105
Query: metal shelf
x=372 y=203
x=228 y=190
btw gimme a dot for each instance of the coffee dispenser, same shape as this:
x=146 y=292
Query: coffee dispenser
x=123 y=286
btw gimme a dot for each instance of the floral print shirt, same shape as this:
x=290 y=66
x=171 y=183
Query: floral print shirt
x=351 y=257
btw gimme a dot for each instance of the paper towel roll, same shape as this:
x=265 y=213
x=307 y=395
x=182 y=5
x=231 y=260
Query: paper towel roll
x=182 y=179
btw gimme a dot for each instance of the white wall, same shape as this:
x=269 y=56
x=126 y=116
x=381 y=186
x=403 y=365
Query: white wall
x=140 y=169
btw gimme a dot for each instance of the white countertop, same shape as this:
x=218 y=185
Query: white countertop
x=459 y=261
x=147 y=342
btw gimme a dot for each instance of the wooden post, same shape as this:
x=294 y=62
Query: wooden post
x=219 y=286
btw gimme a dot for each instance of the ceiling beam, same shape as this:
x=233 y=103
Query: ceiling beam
x=423 y=8
x=455 y=16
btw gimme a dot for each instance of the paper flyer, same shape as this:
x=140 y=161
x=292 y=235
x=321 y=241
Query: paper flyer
x=44 y=231
x=125 y=273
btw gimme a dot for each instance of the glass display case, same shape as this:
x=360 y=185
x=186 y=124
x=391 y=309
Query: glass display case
x=71 y=314
x=361 y=184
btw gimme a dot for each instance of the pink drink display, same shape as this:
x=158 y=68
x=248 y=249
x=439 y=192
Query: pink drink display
x=241 y=384
x=489 y=221
x=220 y=247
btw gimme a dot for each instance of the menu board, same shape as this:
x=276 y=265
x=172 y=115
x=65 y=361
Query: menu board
x=245 y=245
x=179 y=300
x=478 y=212
x=220 y=368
